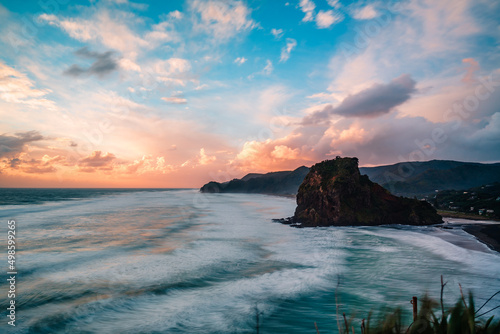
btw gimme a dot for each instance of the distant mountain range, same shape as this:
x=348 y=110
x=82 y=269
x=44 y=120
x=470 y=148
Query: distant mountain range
x=403 y=179
x=419 y=178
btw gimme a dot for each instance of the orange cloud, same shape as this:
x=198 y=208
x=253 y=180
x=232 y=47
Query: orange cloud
x=23 y=163
x=149 y=164
x=272 y=155
x=205 y=159
x=285 y=152
x=97 y=161
x=353 y=134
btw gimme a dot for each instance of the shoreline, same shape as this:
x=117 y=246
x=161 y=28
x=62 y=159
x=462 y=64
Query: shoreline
x=487 y=234
x=461 y=215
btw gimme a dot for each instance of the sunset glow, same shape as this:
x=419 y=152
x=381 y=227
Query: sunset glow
x=116 y=93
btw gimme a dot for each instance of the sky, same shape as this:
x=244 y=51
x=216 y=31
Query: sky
x=116 y=93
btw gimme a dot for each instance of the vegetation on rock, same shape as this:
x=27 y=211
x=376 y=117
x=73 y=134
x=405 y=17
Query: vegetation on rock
x=335 y=193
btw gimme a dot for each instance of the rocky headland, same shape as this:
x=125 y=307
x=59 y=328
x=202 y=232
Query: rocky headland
x=412 y=178
x=334 y=193
x=276 y=183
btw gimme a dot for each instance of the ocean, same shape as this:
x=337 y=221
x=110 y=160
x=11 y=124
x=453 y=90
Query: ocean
x=178 y=261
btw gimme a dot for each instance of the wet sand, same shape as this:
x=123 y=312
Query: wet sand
x=485 y=232
x=488 y=234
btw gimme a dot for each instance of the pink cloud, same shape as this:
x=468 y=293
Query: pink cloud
x=97 y=161
x=471 y=70
x=24 y=163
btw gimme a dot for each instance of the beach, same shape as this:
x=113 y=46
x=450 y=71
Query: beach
x=488 y=234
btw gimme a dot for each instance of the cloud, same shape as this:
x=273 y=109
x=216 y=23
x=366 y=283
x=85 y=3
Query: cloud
x=240 y=60
x=485 y=142
x=14 y=163
x=277 y=33
x=111 y=30
x=334 y=3
x=415 y=38
x=410 y=37
x=325 y=19
x=323 y=97
x=137 y=6
x=391 y=137
x=129 y=65
x=373 y=142
x=307 y=6
x=376 y=100
x=16 y=87
x=365 y=13
x=174 y=100
x=97 y=161
x=25 y=164
x=268 y=69
x=11 y=145
x=34 y=169
x=149 y=164
x=176 y=15
x=116 y=29
x=174 y=71
x=201 y=87
x=172 y=66
x=441 y=32
x=205 y=159
x=269 y=155
x=471 y=70
x=201 y=159
x=103 y=64
x=44 y=165
x=286 y=50
x=284 y=152
x=222 y=19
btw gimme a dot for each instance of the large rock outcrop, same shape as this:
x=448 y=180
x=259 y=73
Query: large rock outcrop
x=335 y=193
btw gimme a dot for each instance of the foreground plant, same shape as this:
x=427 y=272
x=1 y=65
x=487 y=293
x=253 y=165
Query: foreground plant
x=462 y=318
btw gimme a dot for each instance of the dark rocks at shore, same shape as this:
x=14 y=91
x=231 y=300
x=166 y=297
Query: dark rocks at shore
x=288 y=221
x=285 y=221
x=335 y=193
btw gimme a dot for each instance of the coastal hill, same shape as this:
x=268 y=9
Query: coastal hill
x=419 y=178
x=335 y=193
x=403 y=179
x=278 y=183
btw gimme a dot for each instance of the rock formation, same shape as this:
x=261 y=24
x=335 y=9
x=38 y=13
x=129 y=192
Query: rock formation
x=335 y=193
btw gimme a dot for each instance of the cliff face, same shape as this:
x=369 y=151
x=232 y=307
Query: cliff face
x=335 y=193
